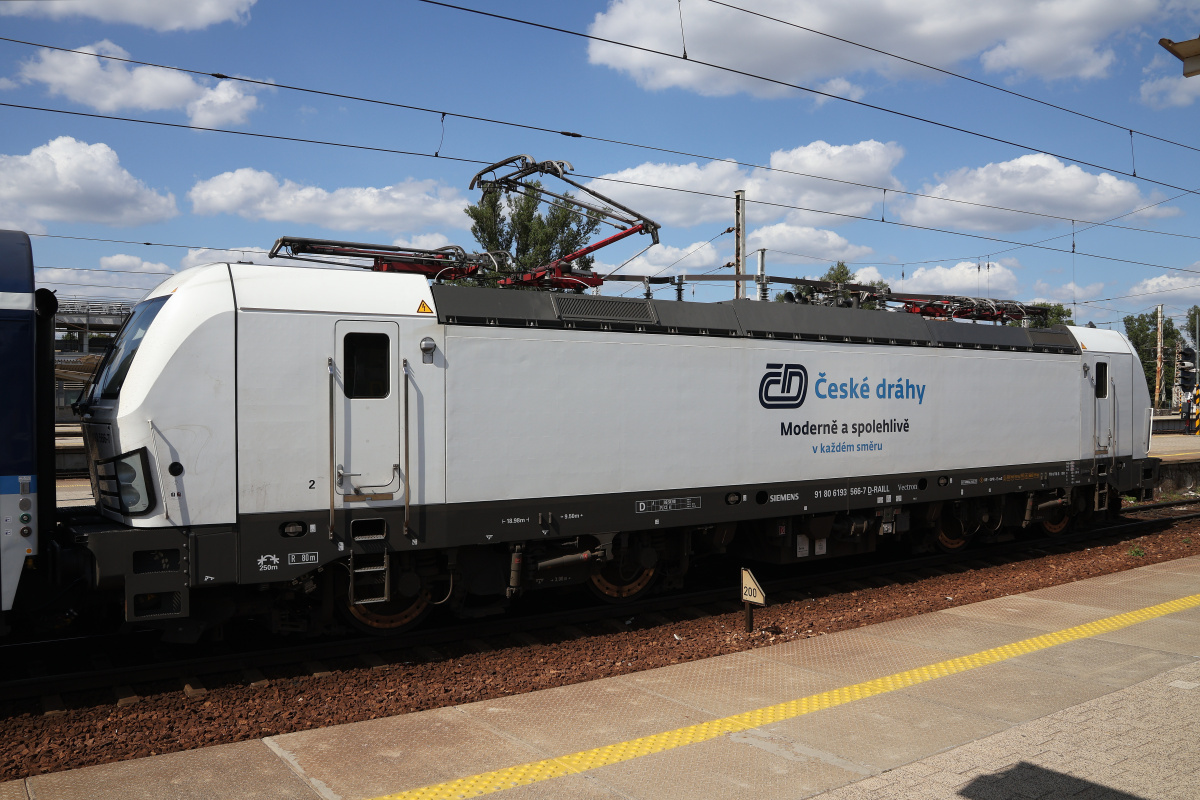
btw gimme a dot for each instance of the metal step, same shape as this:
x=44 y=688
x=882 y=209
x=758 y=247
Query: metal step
x=370 y=579
x=373 y=537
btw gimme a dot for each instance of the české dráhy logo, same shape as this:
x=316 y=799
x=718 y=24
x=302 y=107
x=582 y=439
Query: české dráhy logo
x=783 y=386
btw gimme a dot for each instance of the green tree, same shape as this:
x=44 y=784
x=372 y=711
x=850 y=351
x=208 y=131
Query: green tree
x=839 y=273
x=1142 y=331
x=513 y=224
x=1192 y=325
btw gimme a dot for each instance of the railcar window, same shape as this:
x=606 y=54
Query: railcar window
x=120 y=358
x=1101 y=379
x=367 y=360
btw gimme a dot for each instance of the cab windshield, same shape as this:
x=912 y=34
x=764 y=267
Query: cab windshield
x=111 y=374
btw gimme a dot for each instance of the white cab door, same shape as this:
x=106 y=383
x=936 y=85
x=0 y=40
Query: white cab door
x=367 y=408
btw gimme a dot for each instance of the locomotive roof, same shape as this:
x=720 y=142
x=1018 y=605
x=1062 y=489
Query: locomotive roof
x=466 y=305
x=360 y=291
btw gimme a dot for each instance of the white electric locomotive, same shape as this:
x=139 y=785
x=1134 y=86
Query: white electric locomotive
x=262 y=434
x=296 y=441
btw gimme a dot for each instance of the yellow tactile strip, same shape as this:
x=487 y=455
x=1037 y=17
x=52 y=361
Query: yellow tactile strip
x=533 y=772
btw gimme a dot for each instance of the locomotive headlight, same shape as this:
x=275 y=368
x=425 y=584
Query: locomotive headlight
x=130 y=497
x=126 y=473
x=133 y=494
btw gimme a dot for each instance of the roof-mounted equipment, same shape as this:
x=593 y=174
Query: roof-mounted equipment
x=939 y=306
x=560 y=273
x=444 y=263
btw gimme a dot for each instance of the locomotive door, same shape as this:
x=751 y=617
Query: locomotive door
x=366 y=410
x=1103 y=417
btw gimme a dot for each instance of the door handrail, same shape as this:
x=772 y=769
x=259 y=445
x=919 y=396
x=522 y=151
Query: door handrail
x=404 y=366
x=332 y=444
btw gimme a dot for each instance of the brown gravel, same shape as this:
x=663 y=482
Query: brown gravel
x=169 y=722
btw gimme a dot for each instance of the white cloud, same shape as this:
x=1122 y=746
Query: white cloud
x=1172 y=91
x=1046 y=38
x=864 y=162
x=677 y=209
x=127 y=263
x=1067 y=293
x=257 y=195
x=1036 y=182
x=801 y=240
x=867 y=275
x=112 y=86
x=666 y=260
x=840 y=87
x=868 y=162
x=115 y=274
x=423 y=241
x=223 y=104
x=8 y=83
x=1174 y=289
x=199 y=256
x=964 y=278
x=155 y=14
x=66 y=180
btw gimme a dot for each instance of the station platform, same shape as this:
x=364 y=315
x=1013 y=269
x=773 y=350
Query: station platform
x=1089 y=690
x=1173 y=447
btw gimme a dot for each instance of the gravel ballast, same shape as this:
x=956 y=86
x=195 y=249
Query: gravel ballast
x=171 y=721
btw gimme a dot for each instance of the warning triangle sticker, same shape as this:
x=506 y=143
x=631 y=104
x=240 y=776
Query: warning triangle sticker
x=424 y=308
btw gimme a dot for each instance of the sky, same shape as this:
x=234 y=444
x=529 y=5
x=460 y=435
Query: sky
x=897 y=183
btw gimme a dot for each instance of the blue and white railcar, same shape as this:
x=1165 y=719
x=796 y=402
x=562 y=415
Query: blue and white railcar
x=26 y=446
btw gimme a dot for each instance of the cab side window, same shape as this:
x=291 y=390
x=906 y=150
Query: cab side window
x=367 y=360
x=1101 y=379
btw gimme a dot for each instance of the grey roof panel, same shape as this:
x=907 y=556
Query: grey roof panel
x=716 y=319
x=954 y=334
x=472 y=305
x=1058 y=337
x=798 y=320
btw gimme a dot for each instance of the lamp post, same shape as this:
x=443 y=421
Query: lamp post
x=1188 y=52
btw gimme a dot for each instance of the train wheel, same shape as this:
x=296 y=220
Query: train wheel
x=1057 y=524
x=614 y=585
x=951 y=536
x=398 y=614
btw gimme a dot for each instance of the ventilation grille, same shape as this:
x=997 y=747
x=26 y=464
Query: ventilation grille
x=604 y=309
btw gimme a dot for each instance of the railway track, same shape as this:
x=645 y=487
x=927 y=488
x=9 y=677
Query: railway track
x=121 y=668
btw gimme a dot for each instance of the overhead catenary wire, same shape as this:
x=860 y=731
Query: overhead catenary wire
x=395 y=151
x=808 y=89
x=1058 y=236
x=144 y=244
x=845 y=215
x=122 y=271
x=489 y=120
x=97 y=285
x=684 y=257
x=960 y=76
